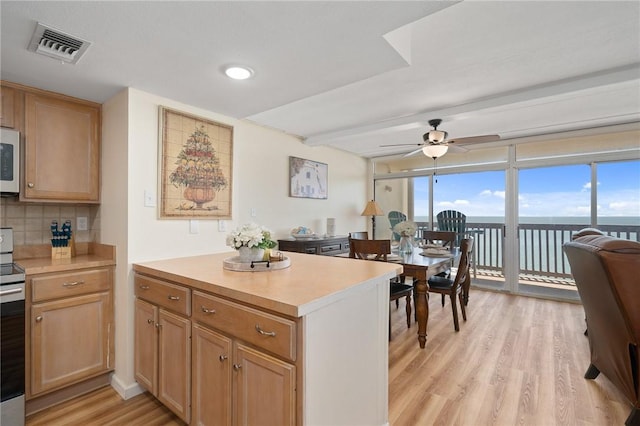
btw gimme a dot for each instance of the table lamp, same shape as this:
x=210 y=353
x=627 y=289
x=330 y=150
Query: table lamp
x=372 y=209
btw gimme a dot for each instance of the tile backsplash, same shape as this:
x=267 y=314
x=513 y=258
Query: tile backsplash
x=31 y=221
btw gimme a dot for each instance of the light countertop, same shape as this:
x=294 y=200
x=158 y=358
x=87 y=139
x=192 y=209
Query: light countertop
x=310 y=283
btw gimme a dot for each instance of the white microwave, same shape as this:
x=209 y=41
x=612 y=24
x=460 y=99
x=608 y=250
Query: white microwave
x=9 y=162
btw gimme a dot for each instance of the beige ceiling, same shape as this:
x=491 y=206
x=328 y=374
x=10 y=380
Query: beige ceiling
x=353 y=75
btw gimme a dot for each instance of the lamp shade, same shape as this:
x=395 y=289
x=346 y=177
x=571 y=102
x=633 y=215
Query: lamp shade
x=372 y=209
x=435 y=136
x=435 y=151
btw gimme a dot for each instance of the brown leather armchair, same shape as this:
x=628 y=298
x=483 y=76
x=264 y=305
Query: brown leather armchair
x=606 y=271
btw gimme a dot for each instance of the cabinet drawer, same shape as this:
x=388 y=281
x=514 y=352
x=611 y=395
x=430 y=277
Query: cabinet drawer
x=173 y=297
x=330 y=249
x=274 y=334
x=69 y=284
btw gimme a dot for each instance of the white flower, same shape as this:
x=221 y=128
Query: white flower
x=250 y=235
x=405 y=228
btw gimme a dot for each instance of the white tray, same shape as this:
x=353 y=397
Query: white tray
x=234 y=264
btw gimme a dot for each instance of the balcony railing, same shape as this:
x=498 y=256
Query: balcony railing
x=540 y=246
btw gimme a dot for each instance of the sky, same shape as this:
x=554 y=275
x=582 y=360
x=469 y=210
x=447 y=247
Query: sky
x=563 y=191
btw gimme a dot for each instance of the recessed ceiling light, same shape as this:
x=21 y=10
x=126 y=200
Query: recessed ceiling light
x=238 y=72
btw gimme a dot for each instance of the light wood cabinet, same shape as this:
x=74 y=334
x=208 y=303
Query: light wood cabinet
x=70 y=327
x=256 y=387
x=264 y=389
x=62 y=150
x=213 y=361
x=7 y=107
x=234 y=384
x=212 y=376
x=162 y=359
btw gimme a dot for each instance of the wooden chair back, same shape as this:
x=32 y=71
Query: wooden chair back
x=360 y=235
x=443 y=238
x=370 y=249
x=463 y=277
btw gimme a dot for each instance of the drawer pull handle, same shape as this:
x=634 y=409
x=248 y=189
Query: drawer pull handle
x=73 y=283
x=265 y=333
x=12 y=291
x=149 y=321
x=39 y=318
x=30 y=185
x=222 y=358
x=208 y=311
x=144 y=287
x=174 y=297
x=237 y=367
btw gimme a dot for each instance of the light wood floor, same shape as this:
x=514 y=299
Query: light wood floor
x=515 y=361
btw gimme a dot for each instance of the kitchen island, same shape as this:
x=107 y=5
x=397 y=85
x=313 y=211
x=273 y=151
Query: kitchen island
x=304 y=345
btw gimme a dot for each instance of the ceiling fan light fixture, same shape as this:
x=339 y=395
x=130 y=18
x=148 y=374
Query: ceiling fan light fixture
x=435 y=151
x=435 y=136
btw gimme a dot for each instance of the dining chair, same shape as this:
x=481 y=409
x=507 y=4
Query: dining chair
x=359 y=235
x=379 y=250
x=458 y=286
x=454 y=221
x=444 y=239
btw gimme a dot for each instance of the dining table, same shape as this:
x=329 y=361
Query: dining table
x=421 y=266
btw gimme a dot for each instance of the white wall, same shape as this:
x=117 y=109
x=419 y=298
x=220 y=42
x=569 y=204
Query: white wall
x=260 y=181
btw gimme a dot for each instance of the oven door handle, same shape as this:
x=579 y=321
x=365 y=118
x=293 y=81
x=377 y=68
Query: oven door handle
x=12 y=291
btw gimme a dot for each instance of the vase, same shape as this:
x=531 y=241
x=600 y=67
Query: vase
x=199 y=194
x=405 y=246
x=250 y=254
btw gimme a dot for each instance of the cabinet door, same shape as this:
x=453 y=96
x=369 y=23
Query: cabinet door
x=146 y=346
x=211 y=378
x=62 y=150
x=264 y=391
x=7 y=110
x=174 y=363
x=71 y=340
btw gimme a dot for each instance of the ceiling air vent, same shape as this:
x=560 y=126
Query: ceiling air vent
x=54 y=43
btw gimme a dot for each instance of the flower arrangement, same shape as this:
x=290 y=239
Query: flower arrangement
x=405 y=228
x=250 y=235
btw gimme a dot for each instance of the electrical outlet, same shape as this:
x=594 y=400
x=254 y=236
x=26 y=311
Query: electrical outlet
x=82 y=223
x=253 y=212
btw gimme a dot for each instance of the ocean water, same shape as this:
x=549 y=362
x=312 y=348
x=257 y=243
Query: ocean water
x=556 y=220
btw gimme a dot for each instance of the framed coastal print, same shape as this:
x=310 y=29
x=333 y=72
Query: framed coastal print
x=308 y=179
x=195 y=167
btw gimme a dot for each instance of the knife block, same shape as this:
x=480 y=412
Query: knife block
x=64 y=252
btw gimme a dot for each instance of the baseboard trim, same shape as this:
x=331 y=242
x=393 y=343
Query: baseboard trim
x=126 y=391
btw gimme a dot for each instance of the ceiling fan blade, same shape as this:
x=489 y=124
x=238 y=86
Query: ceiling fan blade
x=475 y=139
x=404 y=144
x=409 y=154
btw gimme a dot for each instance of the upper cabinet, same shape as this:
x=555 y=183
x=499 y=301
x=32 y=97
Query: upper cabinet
x=62 y=150
x=61 y=145
x=7 y=107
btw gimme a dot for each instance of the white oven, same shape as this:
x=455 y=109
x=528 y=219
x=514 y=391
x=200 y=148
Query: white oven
x=9 y=162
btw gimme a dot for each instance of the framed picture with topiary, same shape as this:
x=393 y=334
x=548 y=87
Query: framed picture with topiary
x=195 y=163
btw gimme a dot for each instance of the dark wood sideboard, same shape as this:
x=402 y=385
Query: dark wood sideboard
x=329 y=246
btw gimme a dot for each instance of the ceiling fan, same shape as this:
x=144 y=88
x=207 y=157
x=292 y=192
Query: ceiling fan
x=436 y=143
